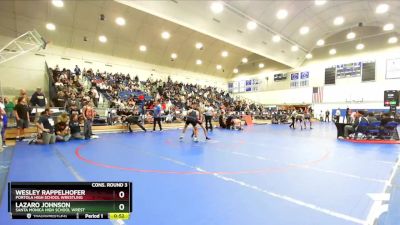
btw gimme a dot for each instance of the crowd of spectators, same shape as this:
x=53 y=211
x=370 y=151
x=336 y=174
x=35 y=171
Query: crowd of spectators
x=76 y=94
x=128 y=94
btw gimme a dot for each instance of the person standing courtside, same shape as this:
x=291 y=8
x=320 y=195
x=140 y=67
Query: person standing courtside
x=327 y=113
x=293 y=117
x=88 y=114
x=337 y=115
x=347 y=118
x=157 y=115
x=21 y=112
x=208 y=116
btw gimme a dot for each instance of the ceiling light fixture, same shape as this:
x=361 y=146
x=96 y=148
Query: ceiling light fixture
x=382 y=8
x=332 y=51
x=392 y=40
x=360 y=46
x=282 y=14
x=143 y=48
x=120 y=21
x=251 y=25
x=174 y=56
x=319 y=2
x=198 y=62
x=50 y=26
x=235 y=70
x=338 y=21
x=102 y=39
x=388 y=26
x=218 y=67
x=304 y=30
x=224 y=54
x=261 y=65
x=58 y=3
x=199 y=45
x=351 y=35
x=165 y=35
x=320 y=42
x=309 y=56
x=244 y=60
x=295 y=48
x=217 y=7
x=276 y=38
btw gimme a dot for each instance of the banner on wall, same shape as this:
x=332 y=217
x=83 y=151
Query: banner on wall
x=299 y=79
x=392 y=68
x=250 y=85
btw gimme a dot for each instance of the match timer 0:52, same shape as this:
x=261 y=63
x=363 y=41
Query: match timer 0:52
x=118 y=216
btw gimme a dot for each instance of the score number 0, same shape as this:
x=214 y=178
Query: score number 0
x=121 y=206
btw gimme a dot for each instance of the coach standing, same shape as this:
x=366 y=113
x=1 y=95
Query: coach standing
x=21 y=112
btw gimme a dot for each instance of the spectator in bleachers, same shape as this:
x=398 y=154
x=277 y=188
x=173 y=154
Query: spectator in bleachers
x=21 y=113
x=60 y=100
x=38 y=98
x=59 y=84
x=95 y=96
x=72 y=104
x=77 y=70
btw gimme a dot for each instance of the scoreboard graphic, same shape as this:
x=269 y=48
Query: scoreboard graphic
x=73 y=200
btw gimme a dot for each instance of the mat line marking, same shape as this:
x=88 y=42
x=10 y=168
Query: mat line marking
x=346 y=157
x=256 y=188
x=266 y=158
x=307 y=167
x=77 y=176
x=371 y=217
x=273 y=194
x=253 y=171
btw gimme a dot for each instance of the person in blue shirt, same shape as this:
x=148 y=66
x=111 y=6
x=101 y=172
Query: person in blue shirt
x=157 y=115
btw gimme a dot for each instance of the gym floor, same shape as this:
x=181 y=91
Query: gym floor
x=265 y=174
